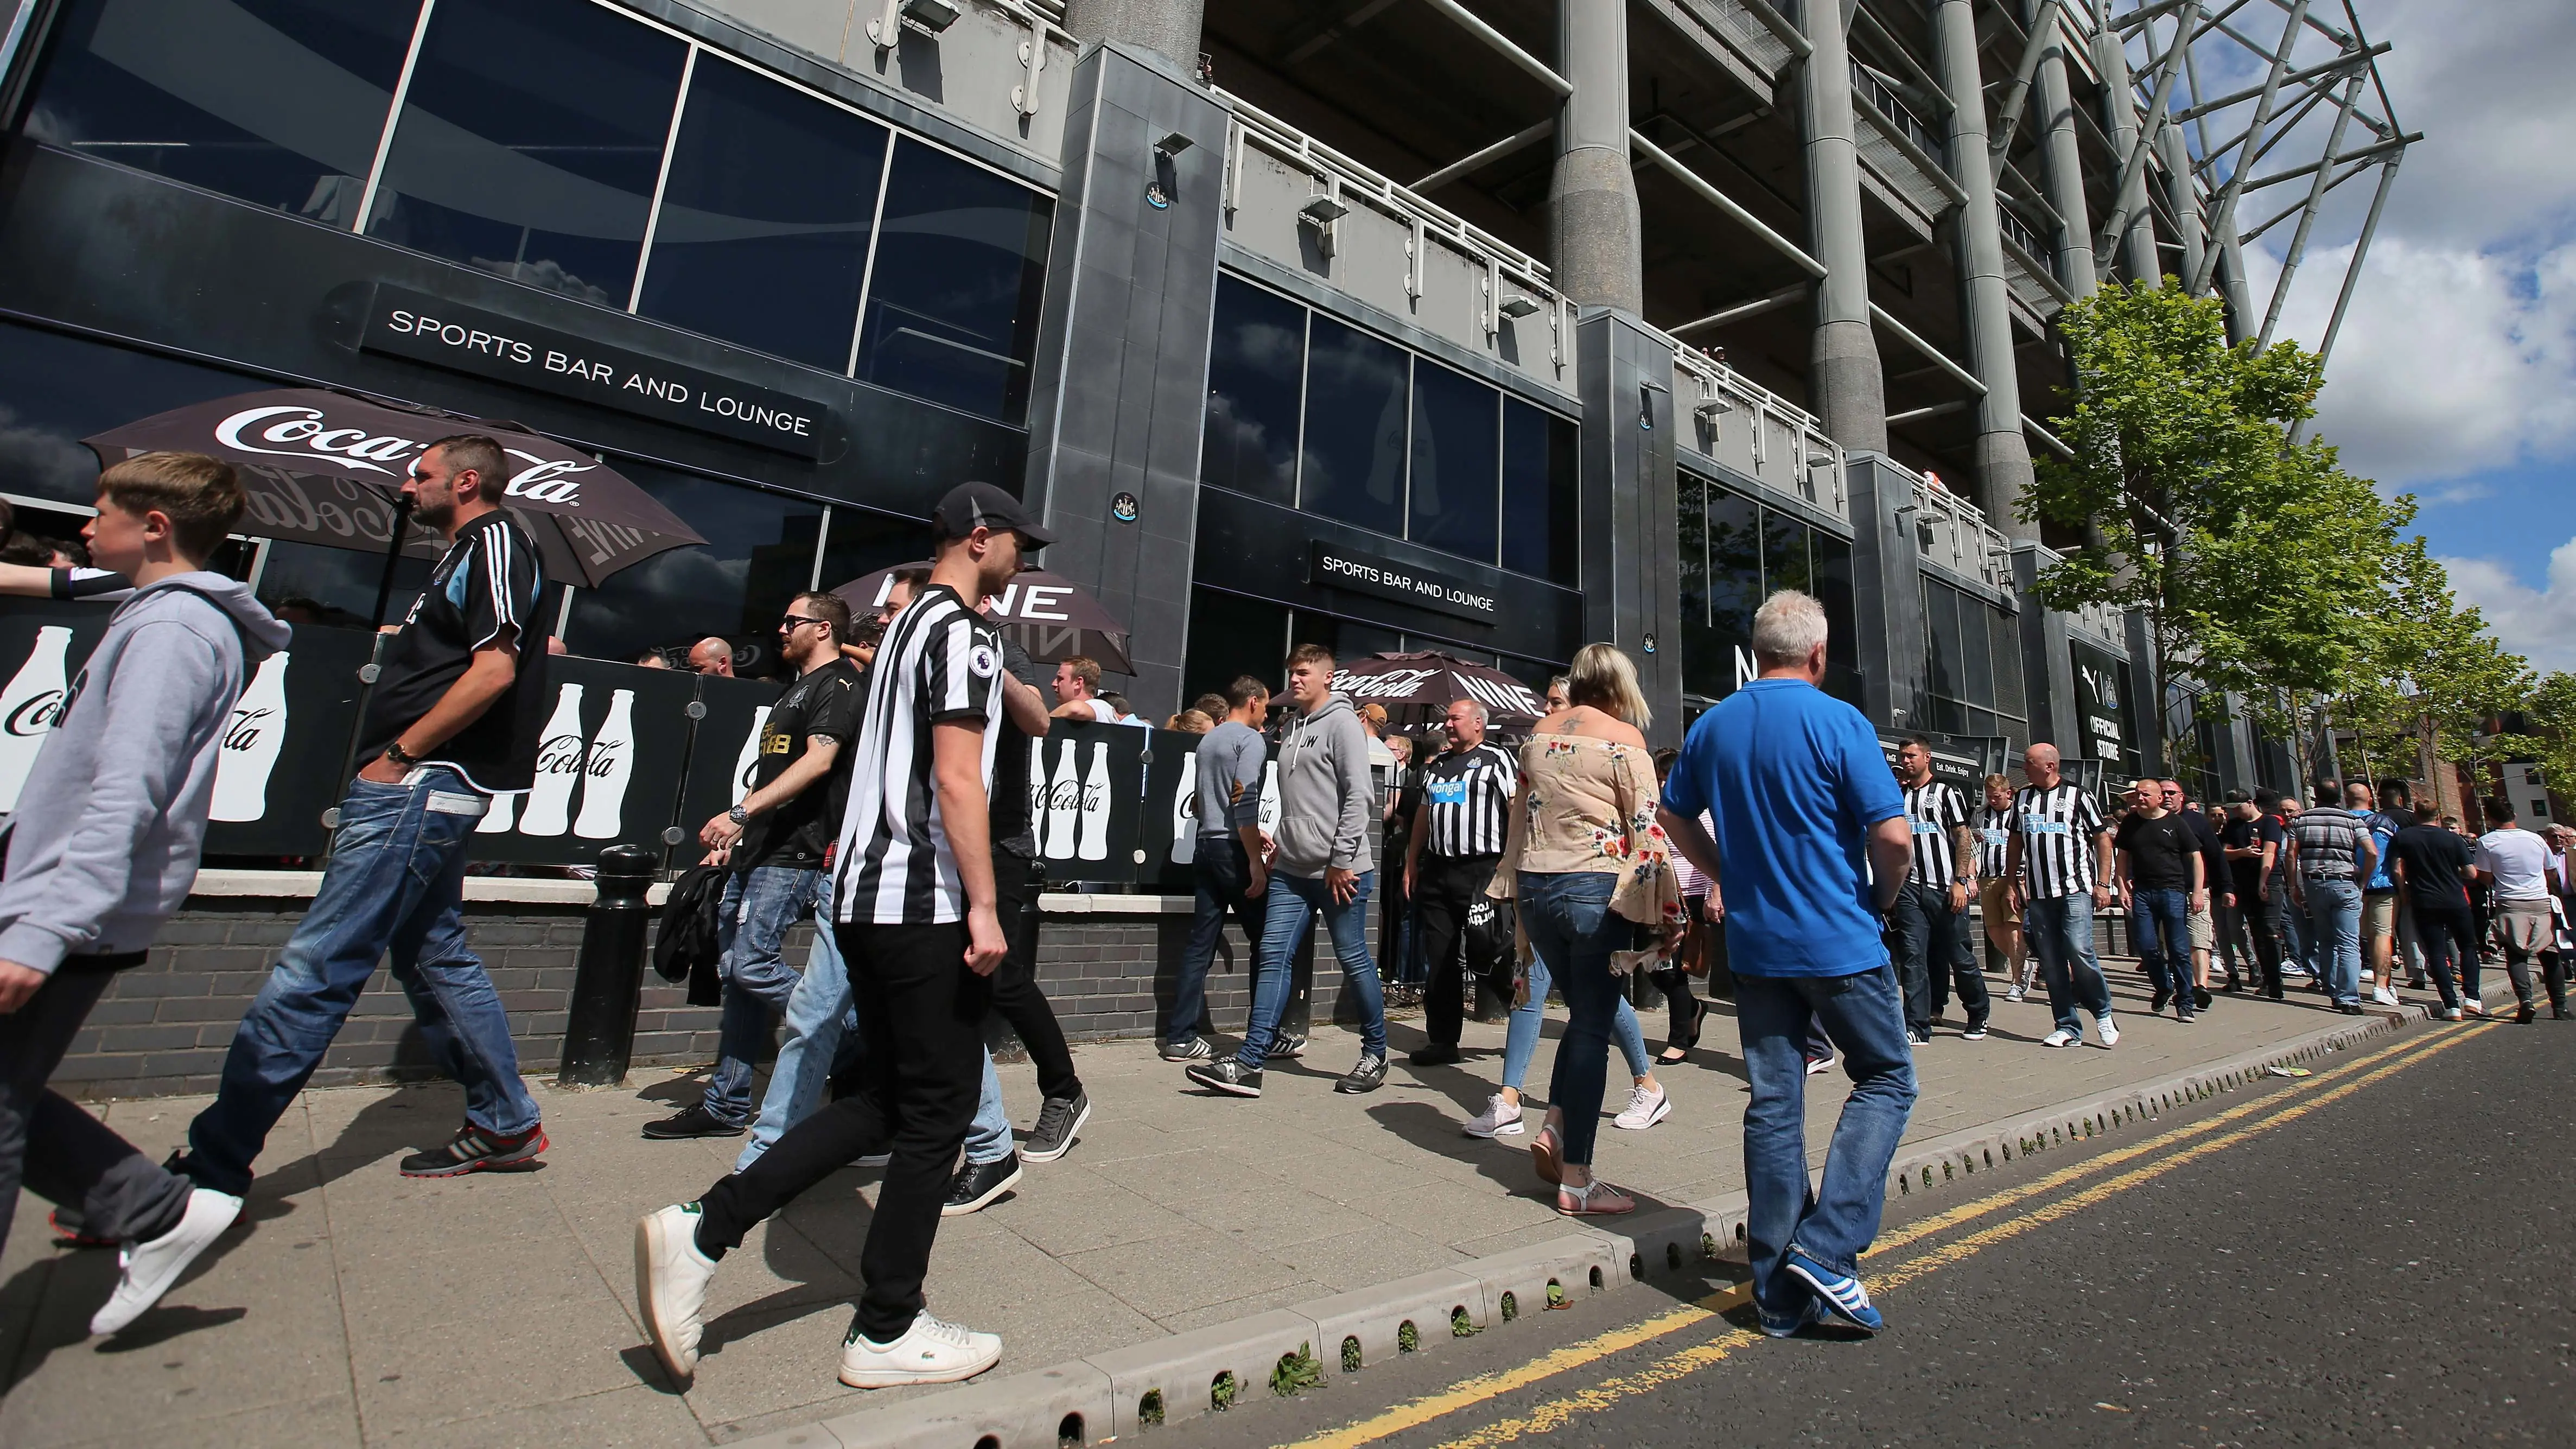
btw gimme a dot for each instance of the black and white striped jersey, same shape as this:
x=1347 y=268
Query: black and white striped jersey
x=1994 y=841
x=2057 y=828
x=939 y=662
x=1468 y=800
x=1933 y=811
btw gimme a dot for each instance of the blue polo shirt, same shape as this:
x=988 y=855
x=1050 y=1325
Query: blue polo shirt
x=1793 y=778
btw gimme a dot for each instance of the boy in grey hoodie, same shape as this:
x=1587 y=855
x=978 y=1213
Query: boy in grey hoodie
x=104 y=845
x=1321 y=862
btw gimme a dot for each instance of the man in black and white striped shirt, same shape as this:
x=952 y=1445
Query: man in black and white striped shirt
x=918 y=923
x=1930 y=916
x=2061 y=867
x=1467 y=801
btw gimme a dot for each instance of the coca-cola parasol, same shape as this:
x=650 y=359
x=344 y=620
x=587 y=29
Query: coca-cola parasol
x=1050 y=615
x=322 y=467
x=1437 y=680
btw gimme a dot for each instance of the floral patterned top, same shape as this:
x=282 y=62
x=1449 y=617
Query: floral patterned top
x=1588 y=804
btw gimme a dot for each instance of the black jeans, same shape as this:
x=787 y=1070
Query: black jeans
x=2252 y=919
x=1444 y=890
x=68 y=1156
x=1220 y=869
x=2449 y=938
x=1932 y=949
x=1016 y=883
x=919 y=1082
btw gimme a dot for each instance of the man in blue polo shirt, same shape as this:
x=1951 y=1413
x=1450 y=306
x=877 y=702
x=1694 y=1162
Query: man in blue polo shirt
x=1811 y=848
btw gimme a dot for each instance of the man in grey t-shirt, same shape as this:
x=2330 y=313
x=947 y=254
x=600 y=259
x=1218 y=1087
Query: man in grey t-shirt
x=1229 y=865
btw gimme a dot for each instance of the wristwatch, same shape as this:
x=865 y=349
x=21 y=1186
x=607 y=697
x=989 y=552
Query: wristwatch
x=738 y=815
x=400 y=756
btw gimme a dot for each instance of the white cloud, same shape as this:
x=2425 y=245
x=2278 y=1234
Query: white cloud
x=2539 y=624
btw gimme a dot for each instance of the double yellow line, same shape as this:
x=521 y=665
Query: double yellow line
x=2214 y=1137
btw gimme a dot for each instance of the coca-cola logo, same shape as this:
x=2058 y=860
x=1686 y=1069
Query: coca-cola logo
x=1067 y=795
x=560 y=755
x=603 y=758
x=246 y=728
x=304 y=434
x=37 y=714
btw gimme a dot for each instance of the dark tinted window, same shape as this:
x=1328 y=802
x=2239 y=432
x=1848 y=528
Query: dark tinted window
x=1542 y=528
x=1353 y=459
x=862 y=541
x=960 y=268
x=1976 y=652
x=1693 y=497
x=1256 y=364
x=1734 y=563
x=1941 y=632
x=2006 y=652
x=279 y=102
x=1231 y=636
x=1833 y=571
x=56 y=390
x=763 y=236
x=1349 y=639
x=759 y=554
x=307 y=583
x=1784 y=554
x=1456 y=437
x=529 y=143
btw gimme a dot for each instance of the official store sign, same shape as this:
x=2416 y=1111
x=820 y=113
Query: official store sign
x=411 y=324
x=1337 y=567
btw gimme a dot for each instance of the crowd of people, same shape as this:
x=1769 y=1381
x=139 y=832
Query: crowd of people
x=1775 y=854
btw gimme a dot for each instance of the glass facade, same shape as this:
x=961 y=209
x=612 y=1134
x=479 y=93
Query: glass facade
x=1734 y=553
x=1973 y=666
x=1308 y=411
x=534 y=139
x=1233 y=635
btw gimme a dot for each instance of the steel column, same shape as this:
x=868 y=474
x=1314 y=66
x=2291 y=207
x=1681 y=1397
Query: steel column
x=2002 y=454
x=1592 y=198
x=1849 y=390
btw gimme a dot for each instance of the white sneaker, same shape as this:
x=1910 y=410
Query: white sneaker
x=149 y=1268
x=2060 y=1038
x=671 y=1284
x=1818 y=1066
x=2109 y=1030
x=930 y=1352
x=2014 y=994
x=2386 y=996
x=1646 y=1107
x=1499 y=1119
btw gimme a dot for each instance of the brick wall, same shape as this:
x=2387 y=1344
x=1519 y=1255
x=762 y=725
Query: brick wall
x=163 y=1028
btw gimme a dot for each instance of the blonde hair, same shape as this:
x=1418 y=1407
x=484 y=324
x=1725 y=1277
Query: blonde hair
x=1603 y=678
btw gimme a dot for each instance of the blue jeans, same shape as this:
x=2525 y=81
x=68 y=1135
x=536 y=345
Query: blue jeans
x=1569 y=921
x=1864 y=1015
x=2292 y=924
x=1294 y=899
x=1521 y=1033
x=2334 y=926
x=760 y=905
x=2160 y=919
x=396 y=883
x=1220 y=870
x=819 y=1017
x=2060 y=933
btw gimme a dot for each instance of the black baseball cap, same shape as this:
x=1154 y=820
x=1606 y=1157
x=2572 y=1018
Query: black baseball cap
x=970 y=506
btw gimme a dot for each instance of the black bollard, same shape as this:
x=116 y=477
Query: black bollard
x=608 y=982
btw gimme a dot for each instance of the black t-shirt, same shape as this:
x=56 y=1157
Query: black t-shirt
x=2432 y=858
x=797 y=832
x=2248 y=870
x=2213 y=852
x=488 y=581
x=2160 y=852
x=1012 y=821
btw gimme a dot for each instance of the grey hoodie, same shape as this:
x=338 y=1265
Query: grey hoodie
x=105 y=841
x=1324 y=793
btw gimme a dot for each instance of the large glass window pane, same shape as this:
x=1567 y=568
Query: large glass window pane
x=1784 y=554
x=1693 y=531
x=1833 y=568
x=1941 y=635
x=862 y=541
x=57 y=389
x=1542 y=522
x=1349 y=639
x=764 y=230
x=961 y=267
x=1232 y=636
x=759 y=554
x=529 y=143
x=1256 y=365
x=1352 y=464
x=278 y=102
x=1456 y=442
x=1976 y=652
x=2006 y=655
x=305 y=583
x=1734 y=563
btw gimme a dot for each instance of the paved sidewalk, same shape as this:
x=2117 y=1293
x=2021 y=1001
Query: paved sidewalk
x=357 y=1307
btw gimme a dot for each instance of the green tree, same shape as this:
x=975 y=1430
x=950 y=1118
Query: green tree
x=2429 y=678
x=2257 y=562
x=2550 y=709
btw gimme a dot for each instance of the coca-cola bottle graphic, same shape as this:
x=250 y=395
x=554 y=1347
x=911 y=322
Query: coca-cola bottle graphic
x=1037 y=783
x=251 y=743
x=1064 y=806
x=612 y=761
x=503 y=814
x=28 y=708
x=1270 y=798
x=747 y=759
x=560 y=751
x=1185 y=812
x=1095 y=806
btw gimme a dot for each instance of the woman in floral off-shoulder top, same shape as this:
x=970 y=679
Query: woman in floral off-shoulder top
x=1597 y=899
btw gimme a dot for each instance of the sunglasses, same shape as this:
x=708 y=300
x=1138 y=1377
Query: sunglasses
x=793 y=620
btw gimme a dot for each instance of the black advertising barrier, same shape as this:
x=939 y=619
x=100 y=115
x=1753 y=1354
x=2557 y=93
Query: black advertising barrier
x=608 y=766
x=1087 y=814
x=720 y=765
x=1168 y=821
x=298 y=708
